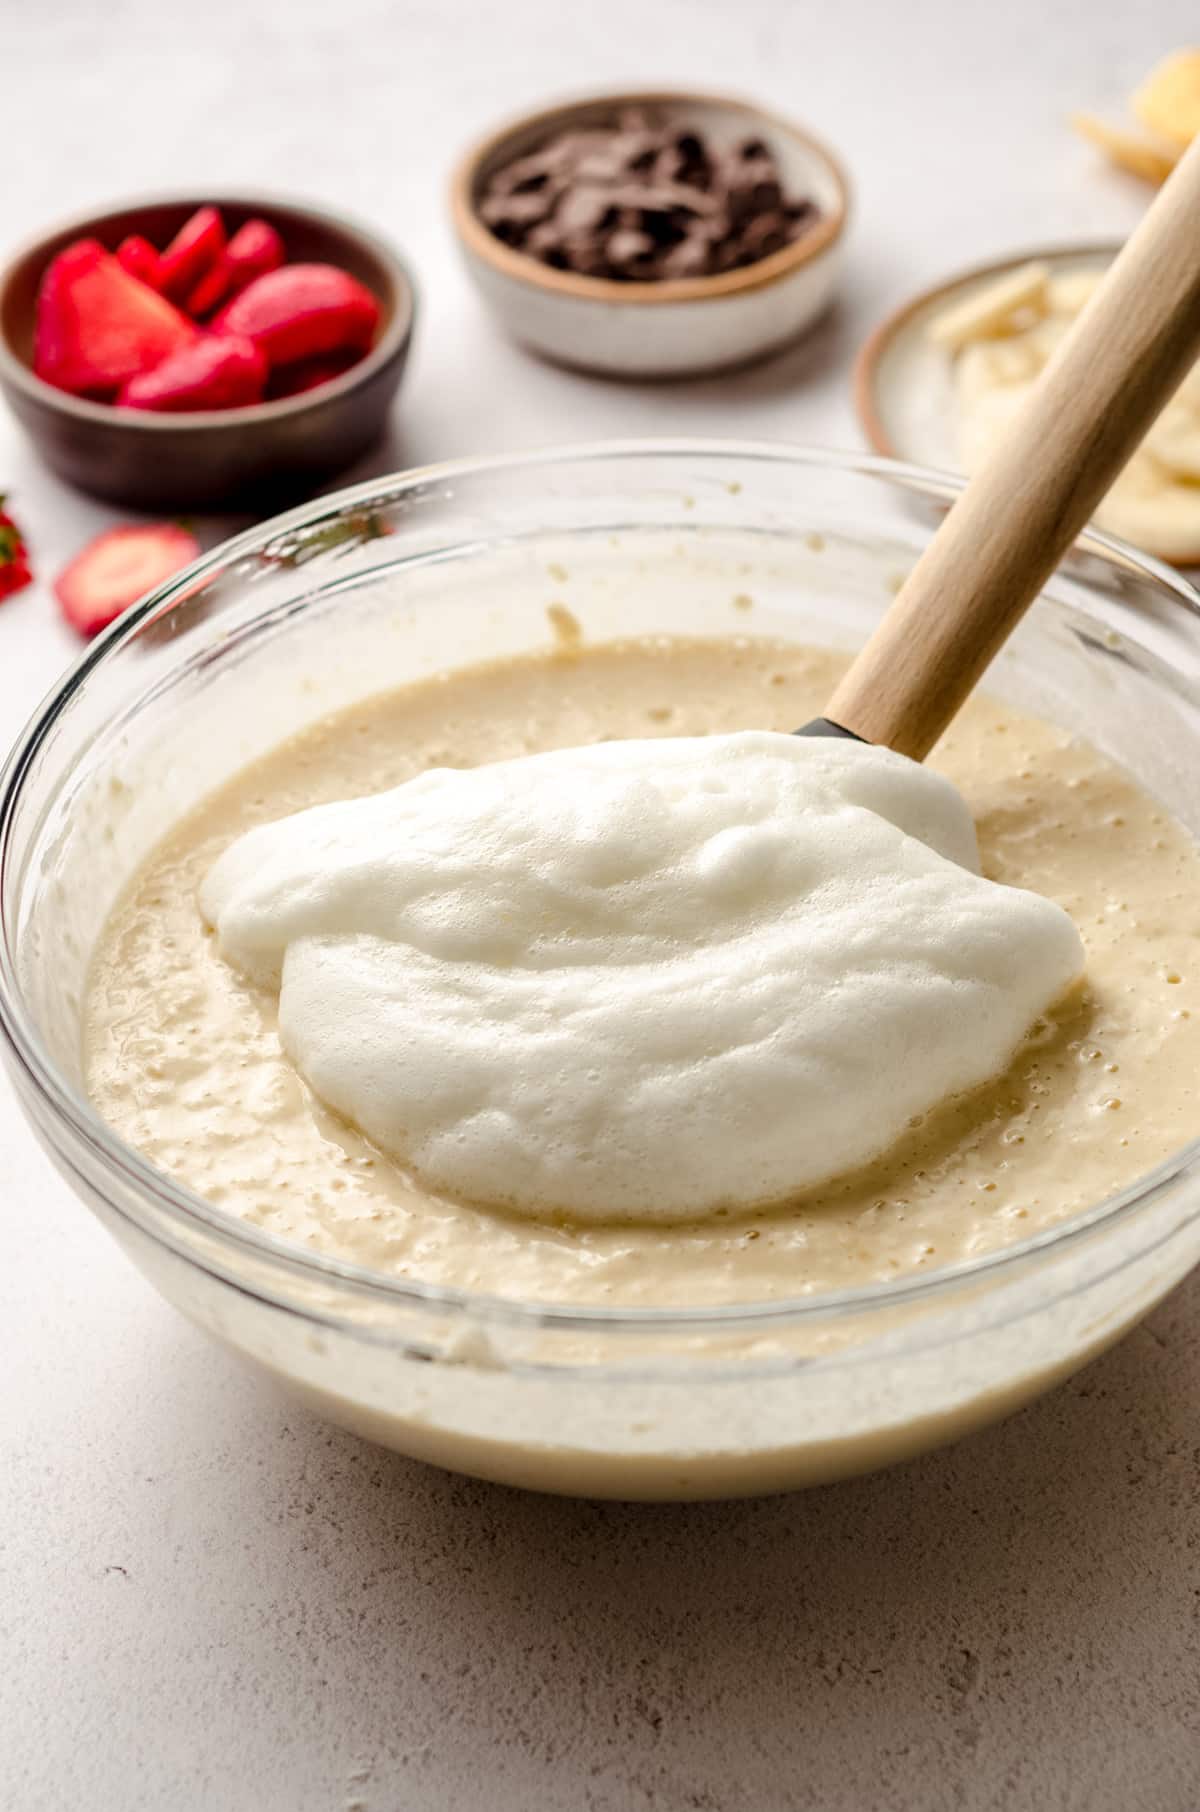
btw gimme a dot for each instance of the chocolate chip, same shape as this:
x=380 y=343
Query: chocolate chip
x=586 y=254
x=515 y=210
x=690 y=258
x=643 y=198
x=746 y=201
x=546 y=242
x=667 y=226
x=581 y=209
x=726 y=255
x=765 y=234
x=800 y=216
x=608 y=165
x=529 y=172
x=626 y=245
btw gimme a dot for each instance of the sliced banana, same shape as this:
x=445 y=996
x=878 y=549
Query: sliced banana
x=1174 y=440
x=1168 y=101
x=991 y=310
x=1145 y=155
x=1071 y=291
x=1153 y=510
x=1043 y=339
x=1001 y=339
x=1189 y=391
x=985 y=424
x=987 y=365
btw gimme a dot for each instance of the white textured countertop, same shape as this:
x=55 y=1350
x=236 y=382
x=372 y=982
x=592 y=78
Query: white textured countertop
x=207 y=1599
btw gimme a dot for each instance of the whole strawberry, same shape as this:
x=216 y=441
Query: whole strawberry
x=15 y=570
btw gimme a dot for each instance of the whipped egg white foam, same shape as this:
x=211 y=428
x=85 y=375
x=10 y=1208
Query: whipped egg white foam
x=641 y=980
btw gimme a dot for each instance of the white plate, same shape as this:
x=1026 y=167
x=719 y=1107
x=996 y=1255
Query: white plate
x=903 y=383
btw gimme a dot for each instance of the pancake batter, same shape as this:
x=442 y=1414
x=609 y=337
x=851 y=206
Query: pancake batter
x=183 y=1057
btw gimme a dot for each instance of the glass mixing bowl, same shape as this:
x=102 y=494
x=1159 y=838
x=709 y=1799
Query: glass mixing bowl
x=413 y=575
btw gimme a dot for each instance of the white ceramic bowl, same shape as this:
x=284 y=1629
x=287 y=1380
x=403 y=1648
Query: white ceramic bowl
x=904 y=381
x=677 y=327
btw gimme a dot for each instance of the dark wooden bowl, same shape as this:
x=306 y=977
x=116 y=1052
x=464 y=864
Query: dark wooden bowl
x=265 y=453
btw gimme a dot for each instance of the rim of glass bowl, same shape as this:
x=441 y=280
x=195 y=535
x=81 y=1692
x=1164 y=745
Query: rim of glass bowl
x=73 y=1108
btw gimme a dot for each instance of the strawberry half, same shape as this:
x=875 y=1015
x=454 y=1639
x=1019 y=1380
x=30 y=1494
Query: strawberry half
x=220 y=371
x=302 y=311
x=137 y=256
x=117 y=569
x=96 y=326
x=15 y=570
x=307 y=374
x=255 y=249
x=193 y=252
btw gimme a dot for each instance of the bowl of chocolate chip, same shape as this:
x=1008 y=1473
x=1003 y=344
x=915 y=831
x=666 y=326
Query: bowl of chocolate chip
x=652 y=235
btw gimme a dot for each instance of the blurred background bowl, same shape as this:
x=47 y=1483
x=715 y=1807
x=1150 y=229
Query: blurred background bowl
x=267 y=452
x=672 y=328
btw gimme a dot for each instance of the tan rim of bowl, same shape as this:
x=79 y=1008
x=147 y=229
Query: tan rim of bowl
x=518 y=265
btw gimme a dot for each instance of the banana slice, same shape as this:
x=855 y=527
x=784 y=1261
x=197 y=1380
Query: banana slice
x=987 y=420
x=1151 y=158
x=1012 y=330
x=987 y=365
x=1174 y=440
x=1071 y=291
x=1168 y=101
x=1154 y=510
x=1044 y=336
x=1188 y=392
x=991 y=310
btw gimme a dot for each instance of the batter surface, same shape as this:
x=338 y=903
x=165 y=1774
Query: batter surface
x=182 y=1056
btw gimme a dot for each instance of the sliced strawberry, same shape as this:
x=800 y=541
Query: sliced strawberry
x=15 y=575
x=96 y=325
x=255 y=249
x=219 y=371
x=307 y=374
x=192 y=253
x=117 y=569
x=137 y=256
x=302 y=311
x=15 y=570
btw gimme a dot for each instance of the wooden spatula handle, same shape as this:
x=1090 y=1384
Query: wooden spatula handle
x=1129 y=349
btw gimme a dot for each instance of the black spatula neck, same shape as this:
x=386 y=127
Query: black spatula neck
x=825 y=726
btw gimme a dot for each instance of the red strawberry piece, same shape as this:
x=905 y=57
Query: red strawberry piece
x=307 y=374
x=218 y=371
x=137 y=256
x=96 y=325
x=210 y=292
x=192 y=253
x=15 y=570
x=118 y=568
x=302 y=311
x=255 y=249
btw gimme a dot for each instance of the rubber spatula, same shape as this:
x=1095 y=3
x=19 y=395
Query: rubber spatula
x=1129 y=349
